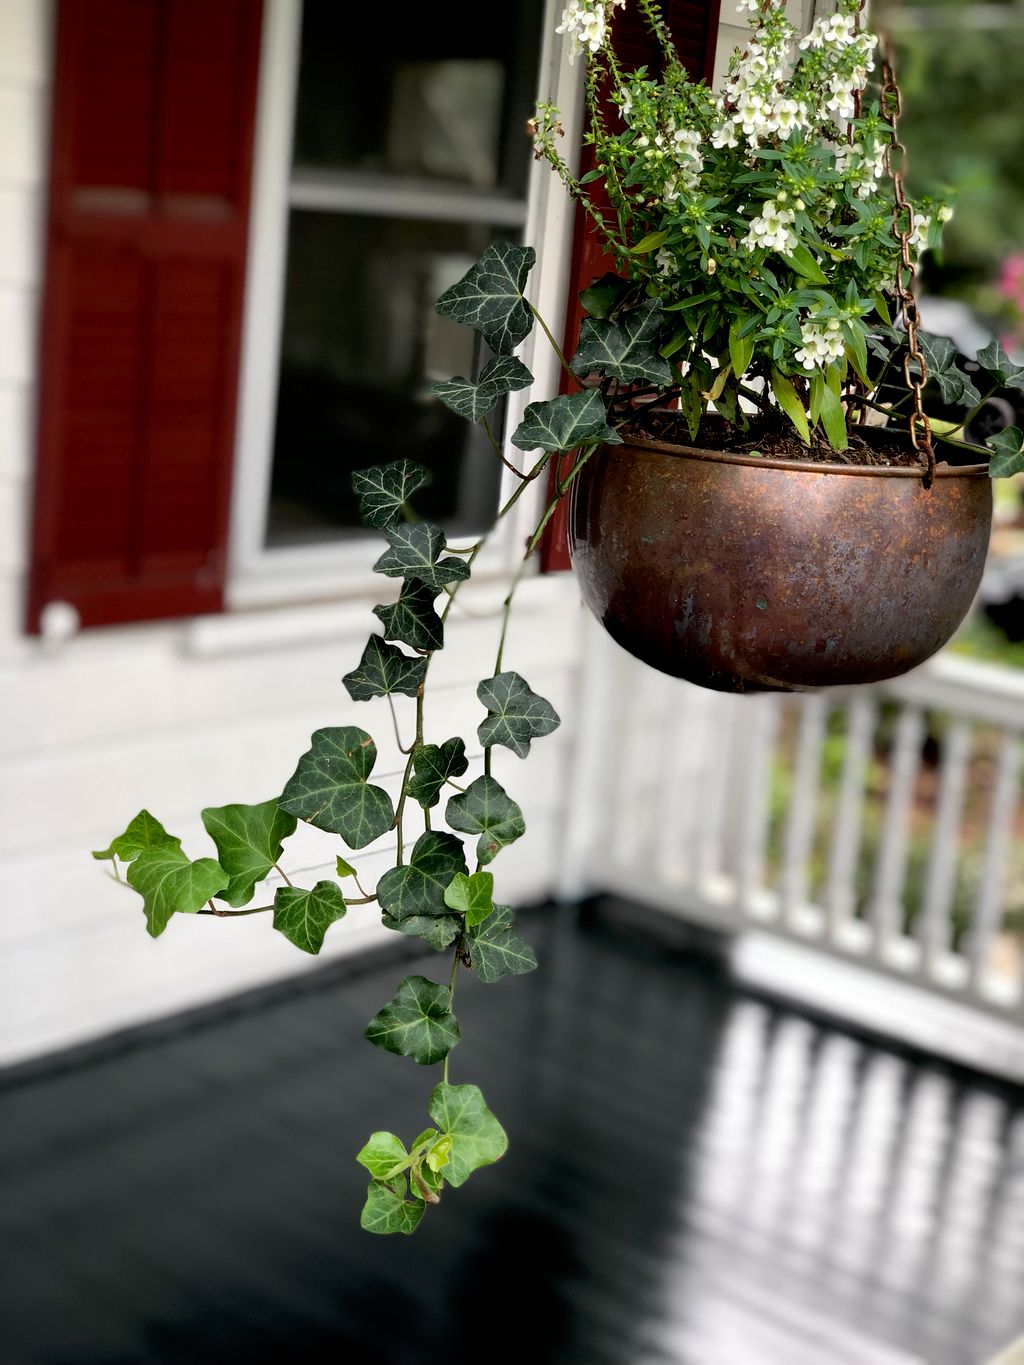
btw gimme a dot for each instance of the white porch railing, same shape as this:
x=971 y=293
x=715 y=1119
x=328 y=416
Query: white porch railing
x=879 y=825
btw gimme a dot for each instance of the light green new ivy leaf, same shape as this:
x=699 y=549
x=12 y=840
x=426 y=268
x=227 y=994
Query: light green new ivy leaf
x=412 y=896
x=471 y=896
x=505 y=374
x=412 y=619
x=170 y=883
x=496 y=948
x=383 y=670
x=329 y=788
x=626 y=349
x=249 y=840
x=565 y=422
x=386 y=1210
x=143 y=833
x=432 y=766
x=1007 y=455
x=1004 y=370
x=418 y=1022
x=516 y=715
x=489 y=297
x=383 y=489
x=305 y=916
x=485 y=808
x=415 y=552
x=477 y=1137
x=382 y=1153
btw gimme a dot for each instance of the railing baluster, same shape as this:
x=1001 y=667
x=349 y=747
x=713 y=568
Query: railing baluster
x=709 y=809
x=934 y=928
x=840 y=895
x=799 y=838
x=886 y=909
x=988 y=911
x=757 y=745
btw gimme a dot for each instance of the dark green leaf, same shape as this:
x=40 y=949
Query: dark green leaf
x=790 y=404
x=329 y=788
x=505 y=374
x=1007 y=455
x=471 y=896
x=381 y=1154
x=833 y=418
x=415 y=552
x=477 y=1137
x=432 y=766
x=1006 y=372
x=384 y=488
x=168 y=883
x=565 y=422
x=437 y=931
x=418 y=887
x=603 y=297
x=940 y=357
x=384 y=669
x=412 y=619
x=496 y=948
x=516 y=715
x=651 y=242
x=249 y=841
x=143 y=833
x=489 y=297
x=418 y=1023
x=626 y=349
x=305 y=916
x=386 y=1211
x=486 y=809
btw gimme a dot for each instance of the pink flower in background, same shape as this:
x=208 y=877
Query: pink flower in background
x=1011 y=286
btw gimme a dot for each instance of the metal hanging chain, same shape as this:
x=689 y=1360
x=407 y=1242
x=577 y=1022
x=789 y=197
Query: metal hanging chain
x=903 y=228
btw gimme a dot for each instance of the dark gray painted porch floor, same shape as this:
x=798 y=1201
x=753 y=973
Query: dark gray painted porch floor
x=697 y=1176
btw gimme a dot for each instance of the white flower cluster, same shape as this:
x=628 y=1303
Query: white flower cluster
x=770 y=230
x=583 y=22
x=861 y=165
x=822 y=340
x=840 y=62
x=753 y=90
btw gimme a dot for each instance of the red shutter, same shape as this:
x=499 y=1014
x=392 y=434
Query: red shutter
x=153 y=113
x=694 y=28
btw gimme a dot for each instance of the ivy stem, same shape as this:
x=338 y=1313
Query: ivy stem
x=394 y=722
x=417 y=742
x=233 y=914
x=554 y=344
x=498 y=450
x=284 y=875
x=452 y=979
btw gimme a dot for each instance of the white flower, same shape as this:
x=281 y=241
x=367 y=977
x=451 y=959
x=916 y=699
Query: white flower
x=944 y=214
x=747 y=7
x=823 y=341
x=666 y=263
x=583 y=23
x=789 y=115
x=770 y=230
x=725 y=136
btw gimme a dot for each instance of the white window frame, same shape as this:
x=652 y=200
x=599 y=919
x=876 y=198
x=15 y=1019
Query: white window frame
x=258 y=576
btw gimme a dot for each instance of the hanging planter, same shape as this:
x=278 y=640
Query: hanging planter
x=746 y=573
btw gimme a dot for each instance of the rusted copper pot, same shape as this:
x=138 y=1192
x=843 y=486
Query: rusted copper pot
x=746 y=573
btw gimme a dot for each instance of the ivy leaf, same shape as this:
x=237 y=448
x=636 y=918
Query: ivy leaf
x=432 y=766
x=418 y=1023
x=626 y=349
x=437 y=931
x=382 y=1153
x=496 y=948
x=249 y=841
x=305 y=916
x=329 y=788
x=471 y=896
x=384 y=669
x=386 y=1210
x=415 y=552
x=1005 y=372
x=1007 y=455
x=516 y=715
x=485 y=808
x=343 y=868
x=412 y=619
x=940 y=357
x=477 y=1137
x=143 y=833
x=418 y=887
x=489 y=297
x=601 y=298
x=169 y=882
x=565 y=422
x=505 y=374
x=383 y=489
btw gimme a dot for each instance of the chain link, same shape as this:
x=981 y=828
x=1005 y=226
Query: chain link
x=903 y=228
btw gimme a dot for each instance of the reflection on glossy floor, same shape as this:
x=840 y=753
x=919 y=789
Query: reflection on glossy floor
x=697 y=1176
